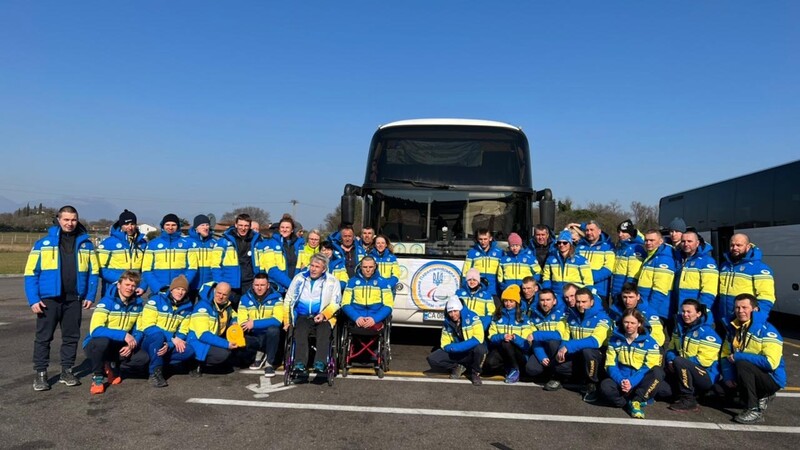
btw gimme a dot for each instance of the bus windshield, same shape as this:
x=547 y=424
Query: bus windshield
x=443 y=222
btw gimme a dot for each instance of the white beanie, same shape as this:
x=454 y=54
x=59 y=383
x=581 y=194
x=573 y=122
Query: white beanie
x=453 y=304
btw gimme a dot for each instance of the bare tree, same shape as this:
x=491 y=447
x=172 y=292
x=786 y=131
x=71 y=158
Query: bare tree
x=257 y=214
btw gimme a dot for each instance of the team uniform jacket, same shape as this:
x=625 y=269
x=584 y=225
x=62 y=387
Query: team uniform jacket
x=480 y=302
x=387 y=266
x=697 y=278
x=547 y=327
x=487 y=262
x=627 y=263
x=631 y=361
x=166 y=257
x=304 y=256
x=513 y=268
x=656 y=278
x=507 y=324
x=114 y=319
x=558 y=272
x=116 y=255
x=203 y=254
x=338 y=270
x=43 y=269
x=227 y=253
x=326 y=289
x=162 y=315
x=698 y=343
x=601 y=258
x=368 y=297
x=761 y=345
x=265 y=313
x=655 y=328
x=589 y=330
x=748 y=275
x=463 y=338
x=533 y=246
x=209 y=323
x=273 y=259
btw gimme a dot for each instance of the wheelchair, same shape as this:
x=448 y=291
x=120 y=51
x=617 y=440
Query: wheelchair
x=369 y=347
x=290 y=375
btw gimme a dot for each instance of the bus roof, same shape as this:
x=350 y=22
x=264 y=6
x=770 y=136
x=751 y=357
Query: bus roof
x=463 y=122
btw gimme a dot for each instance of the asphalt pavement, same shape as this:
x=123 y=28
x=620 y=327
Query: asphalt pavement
x=409 y=408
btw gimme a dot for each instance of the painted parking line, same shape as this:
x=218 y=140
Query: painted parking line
x=4 y=323
x=498 y=415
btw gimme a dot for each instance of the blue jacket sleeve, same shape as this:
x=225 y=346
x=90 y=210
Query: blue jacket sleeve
x=381 y=314
x=728 y=370
x=279 y=277
x=670 y=355
x=212 y=339
x=464 y=346
x=577 y=345
x=765 y=306
x=521 y=343
x=546 y=336
x=759 y=361
x=636 y=377
x=538 y=351
x=105 y=332
x=263 y=324
x=614 y=373
x=351 y=312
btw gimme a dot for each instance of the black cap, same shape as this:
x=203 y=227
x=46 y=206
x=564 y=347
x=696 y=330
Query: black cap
x=127 y=217
x=170 y=218
x=627 y=227
x=200 y=219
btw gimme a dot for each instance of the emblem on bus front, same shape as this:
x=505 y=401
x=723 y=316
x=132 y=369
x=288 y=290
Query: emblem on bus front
x=433 y=283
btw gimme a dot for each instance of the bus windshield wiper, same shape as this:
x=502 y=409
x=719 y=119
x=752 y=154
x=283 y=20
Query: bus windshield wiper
x=420 y=184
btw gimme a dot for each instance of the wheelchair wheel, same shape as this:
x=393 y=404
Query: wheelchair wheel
x=386 y=356
x=379 y=372
x=288 y=359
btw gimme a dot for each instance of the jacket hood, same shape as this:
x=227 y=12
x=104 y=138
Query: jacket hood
x=55 y=230
x=194 y=234
x=752 y=255
x=618 y=332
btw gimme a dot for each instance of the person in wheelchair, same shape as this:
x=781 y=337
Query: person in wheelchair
x=367 y=303
x=312 y=299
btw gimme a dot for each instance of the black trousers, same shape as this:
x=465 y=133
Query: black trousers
x=473 y=359
x=534 y=368
x=688 y=378
x=505 y=356
x=266 y=341
x=65 y=312
x=589 y=362
x=302 y=328
x=102 y=350
x=753 y=383
x=645 y=390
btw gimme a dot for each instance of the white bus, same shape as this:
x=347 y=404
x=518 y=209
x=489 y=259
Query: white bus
x=765 y=206
x=429 y=185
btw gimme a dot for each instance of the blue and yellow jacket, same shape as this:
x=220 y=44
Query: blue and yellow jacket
x=209 y=322
x=203 y=255
x=113 y=319
x=748 y=275
x=548 y=249
x=601 y=258
x=117 y=253
x=273 y=260
x=163 y=316
x=627 y=263
x=338 y=270
x=336 y=240
x=631 y=361
x=326 y=290
x=587 y=330
x=697 y=278
x=166 y=257
x=760 y=344
x=654 y=325
x=513 y=268
x=547 y=327
x=387 y=266
x=43 y=269
x=304 y=257
x=487 y=262
x=558 y=272
x=464 y=337
x=368 y=297
x=656 y=278
x=698 y=343
x=480 y=302
x=507 y=324
x=267 y=312
x=227 y=250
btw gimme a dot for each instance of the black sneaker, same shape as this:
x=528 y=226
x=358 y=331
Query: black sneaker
x=476 y=379
x=260 y=361
x=40 y=382
x=157 y=378
x=750 y=416
x=68 y=378
x=457 y=372
x=269 y=371
x=685 y=404
x=552 y=385
x=591 y=393
x=197 y=372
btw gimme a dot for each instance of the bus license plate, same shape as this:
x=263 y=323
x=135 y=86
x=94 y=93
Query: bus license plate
x=433 y=315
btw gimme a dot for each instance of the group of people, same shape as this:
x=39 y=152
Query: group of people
x=633 y=321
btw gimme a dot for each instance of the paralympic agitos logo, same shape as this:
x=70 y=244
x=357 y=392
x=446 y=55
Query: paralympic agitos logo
x=433 y=283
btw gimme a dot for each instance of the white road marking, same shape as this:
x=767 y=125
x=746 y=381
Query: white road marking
x=4 y=323
x=788 y=394
x=500 y=415
x=440 y=380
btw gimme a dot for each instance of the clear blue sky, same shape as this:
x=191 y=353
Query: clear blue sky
x=201 y=106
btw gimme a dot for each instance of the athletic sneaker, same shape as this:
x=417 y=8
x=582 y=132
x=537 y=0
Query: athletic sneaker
x=319 y=367
x=300 y=367
x=68 y=378
x=552 y=385
x=261 y=360
x=590 y=395
x=112 y=375
x=636 y=410
x=748 y=416
x=476 y=379
x=763 y=403
x=40 y=382
x=512 y=377
x=685 y=404
x=98 y=387
x=457 y=372
x=269 y=371
x=157 y=378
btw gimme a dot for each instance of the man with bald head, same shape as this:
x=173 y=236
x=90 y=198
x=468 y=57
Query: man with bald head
x=743 y=272
x=211 y=318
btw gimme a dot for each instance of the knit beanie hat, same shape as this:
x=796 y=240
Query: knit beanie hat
x=454 y=304
x=170 y=218
x=627 y=227
x=473 y=274
x=179 y=282
x=200 y=219
x=677 y=224
x=511 y=293
x=127 y=217
x=514 y=239
x=564 y=236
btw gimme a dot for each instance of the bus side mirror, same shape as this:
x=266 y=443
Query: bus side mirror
x=547 y=208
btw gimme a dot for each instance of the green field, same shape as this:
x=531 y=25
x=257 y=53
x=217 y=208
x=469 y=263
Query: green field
x=12 y=263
